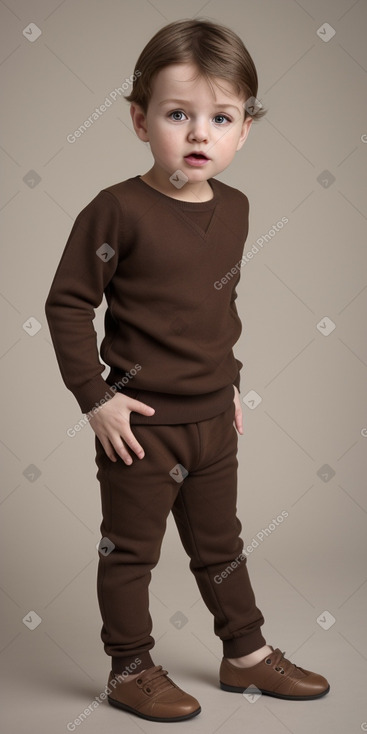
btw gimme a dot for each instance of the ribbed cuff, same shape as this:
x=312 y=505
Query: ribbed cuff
x=130 y=663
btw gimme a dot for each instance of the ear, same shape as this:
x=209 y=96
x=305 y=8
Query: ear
x=244 y=132
x=139 y=120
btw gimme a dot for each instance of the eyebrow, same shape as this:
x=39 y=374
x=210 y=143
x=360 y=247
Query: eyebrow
x=187 y=101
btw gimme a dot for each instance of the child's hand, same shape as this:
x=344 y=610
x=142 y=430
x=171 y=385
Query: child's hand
x=111 y=424
x=238 y=412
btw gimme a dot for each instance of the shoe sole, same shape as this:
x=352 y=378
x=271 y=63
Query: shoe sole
x=130 y=710
x=235 y=689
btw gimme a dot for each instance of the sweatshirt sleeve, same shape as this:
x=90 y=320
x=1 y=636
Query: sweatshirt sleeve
x=237 y=380
x=246 y=207
x=87 y=265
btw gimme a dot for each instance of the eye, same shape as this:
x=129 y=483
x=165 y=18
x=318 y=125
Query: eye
x=220 y=119
x=176 y=115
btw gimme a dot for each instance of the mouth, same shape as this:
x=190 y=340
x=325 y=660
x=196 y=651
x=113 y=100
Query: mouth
x=197 y=159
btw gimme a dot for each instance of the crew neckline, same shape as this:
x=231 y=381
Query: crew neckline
x=210 y=203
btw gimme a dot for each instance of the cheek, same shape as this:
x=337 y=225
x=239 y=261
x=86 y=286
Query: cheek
x=229 y=143
x=165 y=134
x=168 y=140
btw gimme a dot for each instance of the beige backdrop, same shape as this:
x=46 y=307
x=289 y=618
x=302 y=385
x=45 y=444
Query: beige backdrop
x=302 y=299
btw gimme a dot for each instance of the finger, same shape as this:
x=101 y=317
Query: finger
x=120 y=449
x=238 y=421
x=108 y=448
x=140 y=407
x=133 y=444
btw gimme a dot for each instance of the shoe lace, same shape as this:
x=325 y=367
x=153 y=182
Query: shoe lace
x=282 y=665
x=154 y=680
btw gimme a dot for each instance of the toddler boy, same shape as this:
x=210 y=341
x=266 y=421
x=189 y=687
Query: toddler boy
x=165 y=249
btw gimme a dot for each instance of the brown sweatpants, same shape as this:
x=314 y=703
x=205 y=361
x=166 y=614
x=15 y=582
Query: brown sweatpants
x=202 y=495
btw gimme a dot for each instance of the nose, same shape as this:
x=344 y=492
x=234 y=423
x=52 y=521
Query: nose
x=198 y=131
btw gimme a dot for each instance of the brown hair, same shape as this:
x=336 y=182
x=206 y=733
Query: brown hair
x=216 y=50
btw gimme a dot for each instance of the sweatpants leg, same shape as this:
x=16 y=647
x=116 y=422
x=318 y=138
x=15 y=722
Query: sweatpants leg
x=136 y=501
x=205 y=515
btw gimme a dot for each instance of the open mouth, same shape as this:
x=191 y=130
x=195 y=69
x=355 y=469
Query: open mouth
x=198 y=156
x=196 y=159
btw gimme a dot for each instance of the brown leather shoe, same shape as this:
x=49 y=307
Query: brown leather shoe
x=274 y=676
x=152 y=695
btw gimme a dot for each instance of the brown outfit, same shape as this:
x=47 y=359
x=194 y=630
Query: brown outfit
x=159 y=262
x=136 y=501
x=169 y=270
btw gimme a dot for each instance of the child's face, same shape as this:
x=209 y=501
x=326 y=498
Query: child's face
x=184 y=117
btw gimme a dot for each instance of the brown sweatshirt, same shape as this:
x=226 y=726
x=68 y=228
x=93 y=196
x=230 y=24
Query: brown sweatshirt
x=171 y=322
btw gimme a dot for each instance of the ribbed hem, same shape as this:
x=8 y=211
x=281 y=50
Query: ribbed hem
x=176 y=409
x=130 y=663
x=239 y=646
